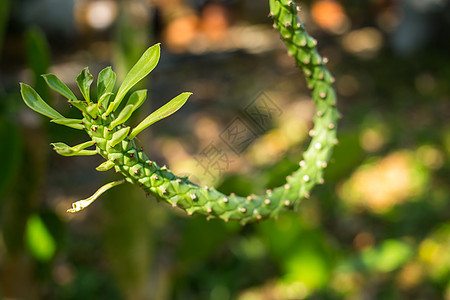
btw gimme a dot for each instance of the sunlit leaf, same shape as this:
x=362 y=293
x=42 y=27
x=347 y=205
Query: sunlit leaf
x=137 y=99
x=65 y=150
x=81 y=105
x=57 y=85
x=119 y=136
x=163 y=112
x=35 y=102
x=142 y=68
x=84 y=81
x=73 y=123
x=105 y=166
x=105 y=82
x=123 y=116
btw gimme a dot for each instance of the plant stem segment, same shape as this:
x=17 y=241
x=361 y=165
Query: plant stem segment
x=180 y=192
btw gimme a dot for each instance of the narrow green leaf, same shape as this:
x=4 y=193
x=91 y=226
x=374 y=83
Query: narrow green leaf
x=119 y=136
x=137 y=99
x=92 y=110
x=142 y=68
x=84 y=81
x=83 y=145
x=57 y=85
x=65 y=150
x=73 y=123
x=81 y=105
x=163 y=112
x=82 y=204
x=105 y=166
x=104 y=99
x=105 y=82
x=124 y=115
x=35 y=102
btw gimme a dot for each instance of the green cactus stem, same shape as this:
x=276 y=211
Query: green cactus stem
x=114 y=141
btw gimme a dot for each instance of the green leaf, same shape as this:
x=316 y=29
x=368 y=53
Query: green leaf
x=105 y=82
x=40 y=242
x=119 y=136
x=35 y=102
x=82 y=204
x=105 y=166
x=163 y=112
x=142 y=68
x=81 y=105
x=57 y=85
x=65 y=150
x=124 y=115
x=137 y=99
x=104 y=99
x=92 y=110
x=73 y=123
x=84 y=80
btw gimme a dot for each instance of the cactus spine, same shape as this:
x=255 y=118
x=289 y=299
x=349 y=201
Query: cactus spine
x=114 y=141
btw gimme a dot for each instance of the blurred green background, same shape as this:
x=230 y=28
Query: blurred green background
x=379 y=228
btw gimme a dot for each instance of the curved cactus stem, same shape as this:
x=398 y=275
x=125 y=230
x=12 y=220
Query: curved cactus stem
x=82 y=204
x=115 y=142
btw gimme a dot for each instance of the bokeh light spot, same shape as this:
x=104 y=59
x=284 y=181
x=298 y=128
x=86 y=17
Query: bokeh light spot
x=330 y=15
x=364 y=42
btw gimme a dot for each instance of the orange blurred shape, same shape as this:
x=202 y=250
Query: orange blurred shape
x=382 y=184
x=181 y=31
x=410 y=275
x=363 y=240
x=328 y=14
x=215 y=21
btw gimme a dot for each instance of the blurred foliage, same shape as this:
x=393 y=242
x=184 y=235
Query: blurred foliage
x=378 y=228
